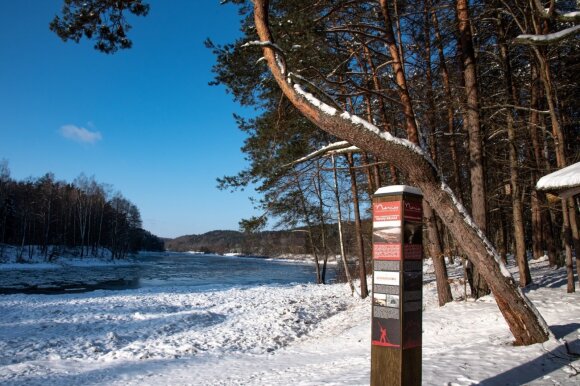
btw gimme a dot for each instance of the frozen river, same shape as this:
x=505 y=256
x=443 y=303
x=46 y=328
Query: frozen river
x=204 y=272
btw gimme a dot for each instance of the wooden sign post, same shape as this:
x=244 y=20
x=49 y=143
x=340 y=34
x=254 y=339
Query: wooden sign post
x=397 y=286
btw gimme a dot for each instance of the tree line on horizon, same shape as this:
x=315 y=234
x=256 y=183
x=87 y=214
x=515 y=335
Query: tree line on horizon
x=83 y=218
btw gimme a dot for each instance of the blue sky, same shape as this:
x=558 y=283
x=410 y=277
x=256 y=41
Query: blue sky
x=143 y=119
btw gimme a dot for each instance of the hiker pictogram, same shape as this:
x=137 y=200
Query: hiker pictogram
x=383 y=338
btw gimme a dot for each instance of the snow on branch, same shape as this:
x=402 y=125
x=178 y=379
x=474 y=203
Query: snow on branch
x=553 y=13
x=263 y=44
x=346 y=150
x=540 y=40
x=322 y=92
x=569 y=17
x=279 y=53
x=335 y=146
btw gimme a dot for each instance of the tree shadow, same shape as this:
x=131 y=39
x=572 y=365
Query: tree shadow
x=541 y=366
x=560 y=331
x=101 y=376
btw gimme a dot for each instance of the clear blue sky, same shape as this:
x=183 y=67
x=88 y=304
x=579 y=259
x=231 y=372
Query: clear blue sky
x=143 y=119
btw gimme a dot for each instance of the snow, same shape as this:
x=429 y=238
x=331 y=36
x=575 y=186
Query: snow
x=567 y=177
x=313 y=100
x=265 y=335
x=277 y=51
x=391 y=189
x=346 y=150
x=328 y=149
x=548 y=38
x=262 y=44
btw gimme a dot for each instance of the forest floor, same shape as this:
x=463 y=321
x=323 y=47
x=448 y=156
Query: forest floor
x=270 y=335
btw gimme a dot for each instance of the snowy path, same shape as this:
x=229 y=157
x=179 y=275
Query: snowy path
x=289 y=335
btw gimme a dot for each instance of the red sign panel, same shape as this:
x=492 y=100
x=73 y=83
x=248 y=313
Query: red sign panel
x=413 y=210
x=387 y=211
x=383 y=251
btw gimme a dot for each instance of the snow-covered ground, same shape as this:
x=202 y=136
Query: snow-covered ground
x=267 y=335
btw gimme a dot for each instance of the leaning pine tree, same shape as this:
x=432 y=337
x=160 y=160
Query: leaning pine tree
x=523 y=319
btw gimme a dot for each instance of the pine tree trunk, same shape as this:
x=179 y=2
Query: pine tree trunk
x=517 y=206
x=410 y=122
x=502 y=239
x=559 y=141
x=537 y=237
x=310 y=237
x=340 y=233
x=574 y=233
x=478 y=200
x=364 y=292
x=444 y=290
x=450 y=114
x=322 y=227
x=537 y=227
x=434 y=241
x=444 y=294
x=567 y=239
x=382 y=108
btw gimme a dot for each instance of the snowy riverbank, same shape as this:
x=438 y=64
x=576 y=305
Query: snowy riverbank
x=265 y=335
x=31 y=257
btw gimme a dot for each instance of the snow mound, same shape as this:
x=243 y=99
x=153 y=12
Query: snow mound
x=146 y=323
x=567 y=177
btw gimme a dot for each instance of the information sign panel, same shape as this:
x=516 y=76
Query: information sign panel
x=396 y=328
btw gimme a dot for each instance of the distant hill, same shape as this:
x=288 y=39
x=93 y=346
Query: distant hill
x=268 y=243
x=271 y=243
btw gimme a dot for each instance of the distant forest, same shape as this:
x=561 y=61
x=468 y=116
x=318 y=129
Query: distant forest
x=83 y=217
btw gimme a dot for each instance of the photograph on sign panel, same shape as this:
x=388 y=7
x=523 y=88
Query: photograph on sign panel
x=393 y=301
x=387 y=235
x=380 y=299
x=413 y=232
